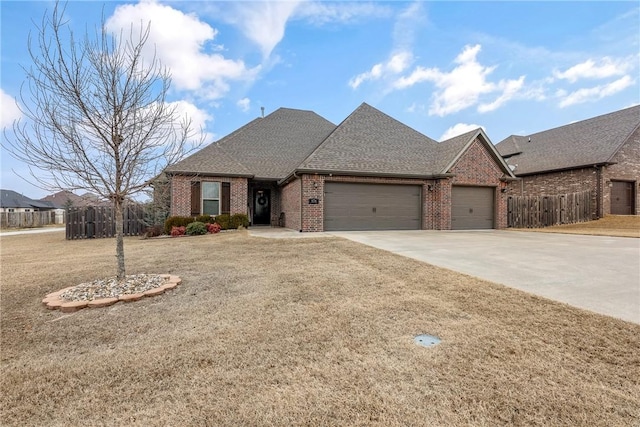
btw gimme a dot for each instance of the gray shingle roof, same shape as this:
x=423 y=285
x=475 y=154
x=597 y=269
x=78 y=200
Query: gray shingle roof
x=368 y=142
x=371 y=142
x=588 y=142
x=12 y=199
x=269 y=147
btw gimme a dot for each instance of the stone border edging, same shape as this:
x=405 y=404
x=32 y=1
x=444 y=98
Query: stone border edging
x=53 y=302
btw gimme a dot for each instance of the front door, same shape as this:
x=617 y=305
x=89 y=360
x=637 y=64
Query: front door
x=262 y=207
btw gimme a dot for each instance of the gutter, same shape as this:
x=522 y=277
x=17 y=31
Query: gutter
x=192 y=173
x=589 y=165
x=295 y=173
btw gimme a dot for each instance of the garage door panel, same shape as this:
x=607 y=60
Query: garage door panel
x=472 y=208
x=622 y=198
x=349 y=206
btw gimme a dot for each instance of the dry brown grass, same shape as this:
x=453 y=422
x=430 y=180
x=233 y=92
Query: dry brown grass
x=610 y=225
x=299 y=332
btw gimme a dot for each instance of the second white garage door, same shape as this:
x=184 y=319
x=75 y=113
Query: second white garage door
x=350 y=206
x=472 y=208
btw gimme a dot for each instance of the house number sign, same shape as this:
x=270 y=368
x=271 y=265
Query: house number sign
x=314 y=201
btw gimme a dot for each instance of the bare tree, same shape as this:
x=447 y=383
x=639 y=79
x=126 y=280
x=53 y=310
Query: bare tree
x=96 y=115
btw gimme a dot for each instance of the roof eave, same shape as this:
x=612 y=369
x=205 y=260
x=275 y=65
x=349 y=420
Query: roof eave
x=295 y=173
x=194 y=173
x=588 y=165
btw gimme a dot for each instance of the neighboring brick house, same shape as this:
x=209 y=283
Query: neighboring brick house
x=370 y=172
x=11 y=201
x=601 y=154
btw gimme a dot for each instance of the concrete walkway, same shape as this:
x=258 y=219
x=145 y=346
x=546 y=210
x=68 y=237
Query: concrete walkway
x=32 y=231
x=597 y=273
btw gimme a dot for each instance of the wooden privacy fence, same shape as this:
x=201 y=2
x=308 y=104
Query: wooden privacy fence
x=96 y=222
x=544 y=211
x=27 y=219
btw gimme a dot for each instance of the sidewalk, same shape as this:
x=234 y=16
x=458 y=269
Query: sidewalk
x=31 y=231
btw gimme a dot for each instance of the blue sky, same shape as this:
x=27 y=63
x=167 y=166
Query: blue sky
x=440 y=67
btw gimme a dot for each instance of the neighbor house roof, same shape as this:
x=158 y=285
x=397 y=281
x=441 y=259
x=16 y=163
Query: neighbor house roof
x=65 y=198
x=12 y=199
x=585 y=143
x=265 y=148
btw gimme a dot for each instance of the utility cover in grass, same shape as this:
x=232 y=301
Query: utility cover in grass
x=426 y=340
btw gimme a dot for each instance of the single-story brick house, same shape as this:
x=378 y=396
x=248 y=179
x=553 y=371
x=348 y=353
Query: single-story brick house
x=11 y=201
x=601 y=154
x=370 y=172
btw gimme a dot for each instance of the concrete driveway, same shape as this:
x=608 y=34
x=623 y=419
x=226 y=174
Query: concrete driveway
x=601 y=274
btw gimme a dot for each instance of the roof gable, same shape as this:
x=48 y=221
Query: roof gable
x=587 y=142
x=452 y=149
x=369 y=141
x=267 y=148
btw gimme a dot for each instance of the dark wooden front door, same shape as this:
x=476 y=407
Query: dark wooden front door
x=262 y=207
x=622 y=198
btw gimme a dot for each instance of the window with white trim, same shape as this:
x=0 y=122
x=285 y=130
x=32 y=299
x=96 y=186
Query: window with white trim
x=210 y=198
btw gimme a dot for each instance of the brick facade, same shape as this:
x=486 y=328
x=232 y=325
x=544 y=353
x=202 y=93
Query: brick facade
x=291 y=202
x=476 y=167
x=595 y=179
x=627 y=168
x=181 y=193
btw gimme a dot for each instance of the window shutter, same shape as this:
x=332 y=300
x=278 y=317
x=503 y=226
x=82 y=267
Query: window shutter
x=195 y=198
x=225 y=205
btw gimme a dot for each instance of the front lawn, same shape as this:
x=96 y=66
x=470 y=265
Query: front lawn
x=298 y=332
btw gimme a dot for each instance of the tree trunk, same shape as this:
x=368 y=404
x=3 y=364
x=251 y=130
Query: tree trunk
x=119 y=239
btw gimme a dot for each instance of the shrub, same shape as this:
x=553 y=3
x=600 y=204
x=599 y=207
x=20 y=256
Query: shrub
x=238 y=220
x=196 y=228
x=224 y=221
x=178 y=231
x=177 y=221
x=213 y=228
x=206 y=219
x=154 y=231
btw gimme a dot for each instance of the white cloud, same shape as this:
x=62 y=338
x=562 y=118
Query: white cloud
x=395 y=65
x=595 y=93
x=180 y=42
x=463 y=86
x=401 y=57
x=244 y=104
x=262 y=22
x=321 y=13
x=590 y=69
x=199 y=118
x=510 y=88
x=459 y=129
x=10 y=110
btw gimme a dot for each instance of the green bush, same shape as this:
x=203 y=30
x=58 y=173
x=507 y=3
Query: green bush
x=177 y=221
x=206 y=219
x=196 y=228
x=224 y=221
x=238 y=220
